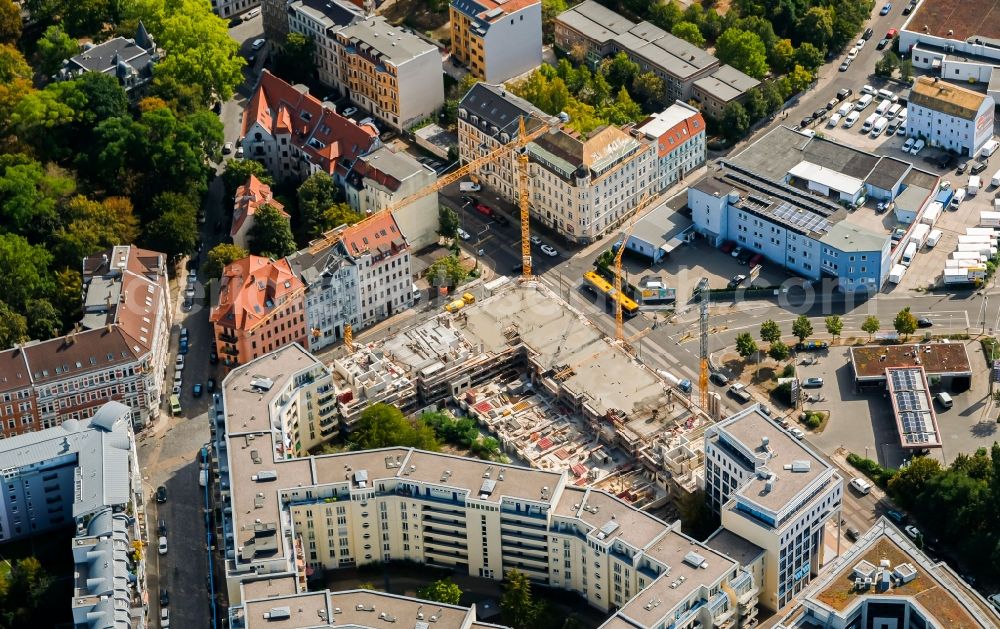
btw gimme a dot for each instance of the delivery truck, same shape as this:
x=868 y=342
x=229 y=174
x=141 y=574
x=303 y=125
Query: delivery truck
x=933 y=237
x=932 y=213
x=984 y=248
x=956 y=276
x=469 y=186
x=908 y=254
x=896 y=273
x=974 y=184
x=989 y=219
x=967 y=255
x=919 y=234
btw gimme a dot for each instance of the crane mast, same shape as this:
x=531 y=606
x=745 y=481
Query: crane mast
x=703 y=351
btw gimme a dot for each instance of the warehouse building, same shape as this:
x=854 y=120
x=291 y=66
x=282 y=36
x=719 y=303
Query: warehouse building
x=949 y=116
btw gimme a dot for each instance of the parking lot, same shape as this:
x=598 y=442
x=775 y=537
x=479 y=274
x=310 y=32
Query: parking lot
x=863 y=422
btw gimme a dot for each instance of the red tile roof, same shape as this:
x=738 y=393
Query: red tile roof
x=250 y=196
x=324 y=135
x=376 y=233
x=250 y=290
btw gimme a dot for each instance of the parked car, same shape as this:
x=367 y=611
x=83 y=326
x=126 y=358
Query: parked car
x=736 y=252
x=845 y=65
x=886 y=8
x=727 y=247
x=739 y=391
x=756 y=260
x=946 y=161
x=161 y=494
x=210 y=385
x=912 y=531
x=196 y=389
x=464 y=235
x=852 y=534
x=812 y=383
x=179 y=363
x=919 y=146
x=797 y=433
x=227 y=148
x=719 y=378
x=853 y=53
x=258 y=44
x=977 y=167
x=350 y=111
x=744 y=257
x=868 y=34
x=164 y=598
x=164 y=618
x=805 y=122
x=549 y=251
x=844 y=93
x=162 y=547
x=895 y=516
x=964 y=166
x=924 y=322
x=213 y=358
x=831 y=104
x=908 y=144
x=736 y=280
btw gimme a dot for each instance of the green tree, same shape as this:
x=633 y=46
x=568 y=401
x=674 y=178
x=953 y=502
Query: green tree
x=238 y=172
x=294 y=61
x=778 y=351
x=447 y=271
x=772 y=96
x=887 y=65
x=809 y=56
x=816 y=27
x=781 y=56
x=517 y=602
x=66 y=295
x=665 y=14
x=340 y=214
x=54 y=47
x=91 y=226
x=909 y=483
x=906 y=70
x=905 y=323
x=649 y=89
x=25 y=271
x=13 y=327
x=770 y=332
x=447 y=222
x=180 y=97
x=800 y=78
x=10 y=22
x=756 y=106
x=745 y=345
x=200 y=51
x=30 y=195
x=688 y=32
x=624 y=110
x=220 y=256
x=271 y=235
x=848 y=17
x=834 y=325
x=871 y=325
x=44 y=321
x=802 y=328
x=441 y=591
x=761 y=26
x=735 y=121
x=744 y=51
x=315 y=195
x=619 y=70
x=382 y=425
x=174 y=231
x=550 y=9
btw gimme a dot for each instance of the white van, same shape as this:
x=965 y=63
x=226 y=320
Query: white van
x=893 y=111
x=863 y=102
x=251 y=14
x=886 y=94
x=996 y=179
x=883 y=107
x=957 y=199
x=860 y=485
x=203 y=478
x=869 y=123
x=879 y=126
x=974 y=184
x=933 y=237
x=845 y=108
x=417 y=294
x=944 y=400
x=833 y=121
x=852 y=118
x=989 y=148
x=908 y=253
x=469 y=186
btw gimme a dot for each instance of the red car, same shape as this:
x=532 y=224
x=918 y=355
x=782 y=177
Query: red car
x=728 y=246
x=891 y=33
x=484 y=209
x=756 y=260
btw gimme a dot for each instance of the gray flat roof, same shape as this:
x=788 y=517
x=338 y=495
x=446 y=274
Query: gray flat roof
x=726 y=84
x=888 y=173
x=846 y=236
x=913 y=197
x=595 y=21
x=660 y=225
x=395 y=45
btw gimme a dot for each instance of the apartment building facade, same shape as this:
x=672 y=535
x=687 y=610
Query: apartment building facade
x=227 y=9
x=118 y=350
x=679 y=134
x=382 y=256
x=42 y=491
x=249 y=198
x=384 y=178
x=332 y=294
x=774 y=491
x=949 y=116
x=388 y=71
x=261 y=308
x=476 y=516
x=497 y=40
x=320 y=20
x=294 y=135
x=580 y=187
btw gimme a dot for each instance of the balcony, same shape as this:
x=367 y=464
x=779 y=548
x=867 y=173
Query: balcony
x=436 y=521
x=517 y=538
x=446 y=556
x=446 y=535
x=227 y=338
x=537 y=523
x=229 y=349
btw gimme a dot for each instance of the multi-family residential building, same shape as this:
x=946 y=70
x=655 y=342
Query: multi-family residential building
x=294 y=135
x=594 y=32
x=886 y=580
x=679 y=133
x=382 y=256
x=784 y=196
x=320 y=20
x=774 y=491
x=249 y=197
x=389 y=72
x=227 y=9
x=118 y=351
x=332 y=294
x=131 y=61
x=382 y=179
x=261 y=308
x=581 y=187
x=949 y=116
x=284 y=516
x=497 y=39
x=274 y=18
x=85 y=473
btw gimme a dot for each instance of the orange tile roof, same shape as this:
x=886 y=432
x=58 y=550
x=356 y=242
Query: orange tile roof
x=508 y=7
x=250 y=290
x=326 y=136
x=249 y=197
x=378 y=232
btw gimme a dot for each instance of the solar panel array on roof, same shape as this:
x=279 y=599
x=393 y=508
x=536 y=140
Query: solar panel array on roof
x=800 y=218
x=913 y=407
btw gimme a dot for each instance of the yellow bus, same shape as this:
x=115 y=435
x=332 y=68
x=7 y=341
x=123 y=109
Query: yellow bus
x=629 y=307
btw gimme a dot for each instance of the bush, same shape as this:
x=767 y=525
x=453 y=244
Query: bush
x=788 y=371
x=991 y=350
x=871 y=469
x=813 y=420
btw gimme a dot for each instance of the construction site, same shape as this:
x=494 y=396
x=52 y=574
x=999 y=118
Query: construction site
x=540 y=377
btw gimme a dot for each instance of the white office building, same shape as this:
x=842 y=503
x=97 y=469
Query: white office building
x=949 y=116
x=774 y=491
x=332 y=298
x=679 y=133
